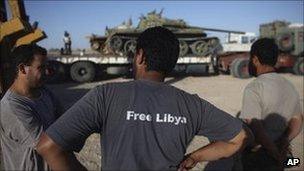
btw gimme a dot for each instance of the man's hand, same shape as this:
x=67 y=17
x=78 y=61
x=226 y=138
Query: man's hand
x=187 y=164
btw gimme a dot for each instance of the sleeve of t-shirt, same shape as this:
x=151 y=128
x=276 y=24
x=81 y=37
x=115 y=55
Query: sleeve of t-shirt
x=28 y=128
x=216 y=124
x=251 y=107
x=84 y=118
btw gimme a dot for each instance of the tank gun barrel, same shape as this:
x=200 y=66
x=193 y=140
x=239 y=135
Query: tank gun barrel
x=205 y=29
x=223 y=31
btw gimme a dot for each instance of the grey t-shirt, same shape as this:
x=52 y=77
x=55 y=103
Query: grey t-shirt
x=21 y=122
x=144 y=125
x=274 y=100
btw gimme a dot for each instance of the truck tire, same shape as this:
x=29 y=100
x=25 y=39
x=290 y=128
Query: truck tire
x=57 y=72
x=233 y=66
x=240 y=68
x=82 y=71
x=298 y=67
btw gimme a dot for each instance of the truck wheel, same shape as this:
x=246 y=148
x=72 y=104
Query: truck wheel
x=232 y=67
x=240 y=68
x=57 y=72
x=298 y=67
x=82 y=71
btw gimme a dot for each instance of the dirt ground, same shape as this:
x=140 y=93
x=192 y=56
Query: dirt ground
x=223 y=91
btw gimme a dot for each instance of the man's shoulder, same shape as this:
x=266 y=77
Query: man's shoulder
x=109 y=89
x=12 y=104
x=285 y=82
x=182 y=94
x=113 y=85
x=254 y=85
x=271 y=80
x=11 y=99
x=5 y=101
x=128 y=85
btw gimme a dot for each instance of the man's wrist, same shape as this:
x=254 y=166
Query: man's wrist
x=194 y=157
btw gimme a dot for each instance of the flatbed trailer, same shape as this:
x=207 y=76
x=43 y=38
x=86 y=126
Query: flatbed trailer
x=84 y=68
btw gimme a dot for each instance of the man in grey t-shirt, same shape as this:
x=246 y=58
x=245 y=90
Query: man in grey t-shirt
x=27 y=109
x=271 y=107
x=145 y=124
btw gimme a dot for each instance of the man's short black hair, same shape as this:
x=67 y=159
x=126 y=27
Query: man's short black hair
x=160 y=49
x=266 y=50
x=24 y=54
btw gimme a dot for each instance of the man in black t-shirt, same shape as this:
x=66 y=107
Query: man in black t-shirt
x=145 y=124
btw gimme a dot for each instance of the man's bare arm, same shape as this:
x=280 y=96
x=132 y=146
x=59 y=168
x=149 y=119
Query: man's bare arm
x=294 y=127
x=219 y=149
x=214 y=151
x=55 y=156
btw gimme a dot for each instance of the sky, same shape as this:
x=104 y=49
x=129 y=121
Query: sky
x=82 y=18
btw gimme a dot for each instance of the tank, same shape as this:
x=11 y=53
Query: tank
x=121 y=40
x=289 y=37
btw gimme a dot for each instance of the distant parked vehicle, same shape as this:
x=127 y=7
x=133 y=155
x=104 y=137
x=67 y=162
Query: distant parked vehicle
x=289 y=38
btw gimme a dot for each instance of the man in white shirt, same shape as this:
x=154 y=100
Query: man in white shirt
x=271 y=107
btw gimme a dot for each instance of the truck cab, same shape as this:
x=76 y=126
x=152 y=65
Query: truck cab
x=239 y=42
